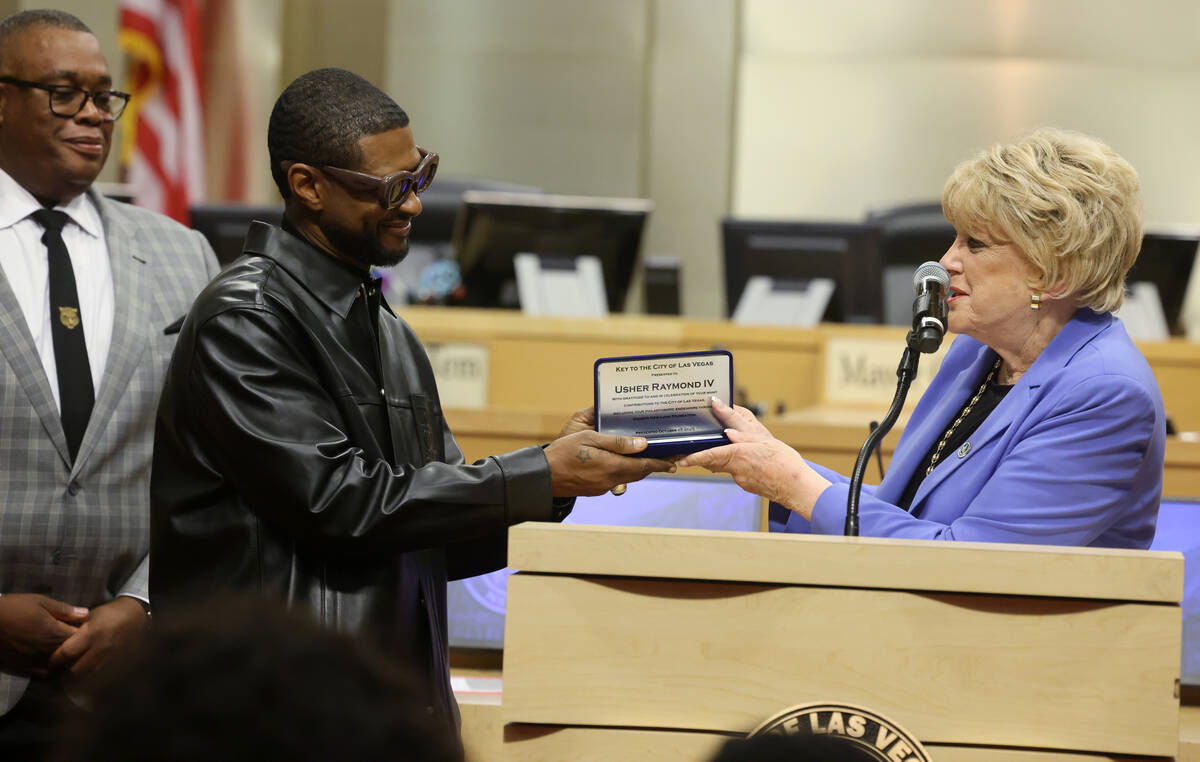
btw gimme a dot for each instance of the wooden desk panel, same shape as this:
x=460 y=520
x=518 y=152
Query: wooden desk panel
x=589 y=651
x=543 y=743
x=829 y=437
x=545 y=364
x=1176 y=365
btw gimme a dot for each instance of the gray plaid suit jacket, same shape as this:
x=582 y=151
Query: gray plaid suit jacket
x=80 y=533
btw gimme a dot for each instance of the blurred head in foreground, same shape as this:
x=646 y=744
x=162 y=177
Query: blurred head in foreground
x=798 y=747
x=241 y=678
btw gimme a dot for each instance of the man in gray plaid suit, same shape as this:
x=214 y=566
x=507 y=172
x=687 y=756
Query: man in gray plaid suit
x=74 y=493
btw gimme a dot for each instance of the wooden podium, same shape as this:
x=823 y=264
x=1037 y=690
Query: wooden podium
x=656 y=644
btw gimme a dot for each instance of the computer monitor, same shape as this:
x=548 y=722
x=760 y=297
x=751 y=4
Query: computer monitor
x=846 y=253
x=441 y=203
x=493 y=227
x=909 y=236
x=225 y=225
x=1166 y=260
x=476 y=605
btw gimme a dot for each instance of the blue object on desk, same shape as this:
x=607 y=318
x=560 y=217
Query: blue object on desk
x=476 y=605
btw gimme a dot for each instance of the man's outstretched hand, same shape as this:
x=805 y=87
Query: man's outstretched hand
x=585 y=463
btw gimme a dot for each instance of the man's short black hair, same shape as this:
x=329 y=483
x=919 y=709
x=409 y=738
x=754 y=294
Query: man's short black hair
x=19 y=22
x=320 y=118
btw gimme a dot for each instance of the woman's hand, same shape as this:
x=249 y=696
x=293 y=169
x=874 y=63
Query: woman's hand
x=760 y=463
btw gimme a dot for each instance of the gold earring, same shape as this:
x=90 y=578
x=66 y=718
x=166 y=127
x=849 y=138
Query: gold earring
x=1035 y=301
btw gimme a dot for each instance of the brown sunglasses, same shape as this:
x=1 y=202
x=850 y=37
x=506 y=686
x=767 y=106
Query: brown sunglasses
x=393 y=190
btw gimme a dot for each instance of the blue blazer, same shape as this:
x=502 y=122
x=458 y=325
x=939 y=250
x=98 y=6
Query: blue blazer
x=1073 y=455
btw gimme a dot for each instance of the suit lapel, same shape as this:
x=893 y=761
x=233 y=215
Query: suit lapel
x=1015 y=406
x=923 y=432
x=131 y=320
x=16 y=343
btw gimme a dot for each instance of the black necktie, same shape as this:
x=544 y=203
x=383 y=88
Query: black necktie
x=66 y=327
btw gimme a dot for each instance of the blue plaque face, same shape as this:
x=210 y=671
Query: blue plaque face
x=664 y=398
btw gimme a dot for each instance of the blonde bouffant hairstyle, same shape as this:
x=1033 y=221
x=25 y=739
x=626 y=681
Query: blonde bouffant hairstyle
x=1067 y=200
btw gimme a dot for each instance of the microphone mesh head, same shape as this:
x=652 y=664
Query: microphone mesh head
x=931 y=270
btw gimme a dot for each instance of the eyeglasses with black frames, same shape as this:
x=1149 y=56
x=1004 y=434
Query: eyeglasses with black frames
x=67 y=101
x=393 y=190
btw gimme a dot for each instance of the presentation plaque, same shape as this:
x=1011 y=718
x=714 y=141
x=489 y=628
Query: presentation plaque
x=664 y=398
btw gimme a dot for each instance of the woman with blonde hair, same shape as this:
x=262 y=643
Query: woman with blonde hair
x=1044 y=423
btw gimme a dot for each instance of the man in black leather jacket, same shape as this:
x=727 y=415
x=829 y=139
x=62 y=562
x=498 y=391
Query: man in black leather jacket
x=301 y=449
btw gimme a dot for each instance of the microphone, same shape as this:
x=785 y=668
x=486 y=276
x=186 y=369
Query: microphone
x=932 y=284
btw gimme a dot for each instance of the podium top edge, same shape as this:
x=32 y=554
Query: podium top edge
x=870 y=562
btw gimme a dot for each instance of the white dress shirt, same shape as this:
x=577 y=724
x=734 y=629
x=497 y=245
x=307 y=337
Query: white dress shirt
x=23 y=260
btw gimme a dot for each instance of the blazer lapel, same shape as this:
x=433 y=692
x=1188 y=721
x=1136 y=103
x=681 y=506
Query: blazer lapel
x=131 y=321
x=921 y=433
x=1081 y=329
x=16 y=343
x=1012 y=407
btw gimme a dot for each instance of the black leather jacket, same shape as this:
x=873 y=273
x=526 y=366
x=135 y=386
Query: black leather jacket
x=298 y=455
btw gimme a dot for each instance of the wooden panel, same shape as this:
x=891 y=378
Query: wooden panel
x=1189 y=734
x=829 y=436
x=553 y=375
x=482 y=729
x=1181 y=468
x=550 y=743
x=870 y=562
x=773 y=364
x=544 y=365
x=779 y=380
x=1176 y=366
x=956 y=669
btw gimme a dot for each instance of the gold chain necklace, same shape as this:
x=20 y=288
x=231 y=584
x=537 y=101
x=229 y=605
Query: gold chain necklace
x=937 y=452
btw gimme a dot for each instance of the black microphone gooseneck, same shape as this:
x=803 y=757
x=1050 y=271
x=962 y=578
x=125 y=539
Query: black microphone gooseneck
x=931 y=283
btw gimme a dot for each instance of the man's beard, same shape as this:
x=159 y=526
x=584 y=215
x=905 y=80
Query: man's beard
x=364 y=248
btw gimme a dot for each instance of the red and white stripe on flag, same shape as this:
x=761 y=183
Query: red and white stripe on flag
x=162 y=149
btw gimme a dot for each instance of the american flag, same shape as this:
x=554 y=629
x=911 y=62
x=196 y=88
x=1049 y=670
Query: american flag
x=162 y=147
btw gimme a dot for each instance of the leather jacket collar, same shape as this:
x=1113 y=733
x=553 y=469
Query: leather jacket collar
x=331 y=282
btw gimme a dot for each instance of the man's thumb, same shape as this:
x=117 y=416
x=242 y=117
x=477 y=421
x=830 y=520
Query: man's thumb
x=619 y=443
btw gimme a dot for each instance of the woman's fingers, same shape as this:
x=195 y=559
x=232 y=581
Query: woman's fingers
x=738 y=418
x=715 y=459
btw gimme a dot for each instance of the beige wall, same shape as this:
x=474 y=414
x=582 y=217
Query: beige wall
x=541 y=92
x=783 y=108
x=689 y=130
x=620 y=98
x=350 y=34
x=846 y=106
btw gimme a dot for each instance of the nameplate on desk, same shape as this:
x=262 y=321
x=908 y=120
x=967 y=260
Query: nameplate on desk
x=461 y=371
x=861 y=371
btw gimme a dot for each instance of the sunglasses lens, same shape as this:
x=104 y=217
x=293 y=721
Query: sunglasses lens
x=399 y=191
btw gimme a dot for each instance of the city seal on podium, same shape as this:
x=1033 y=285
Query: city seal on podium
x=876 y=734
